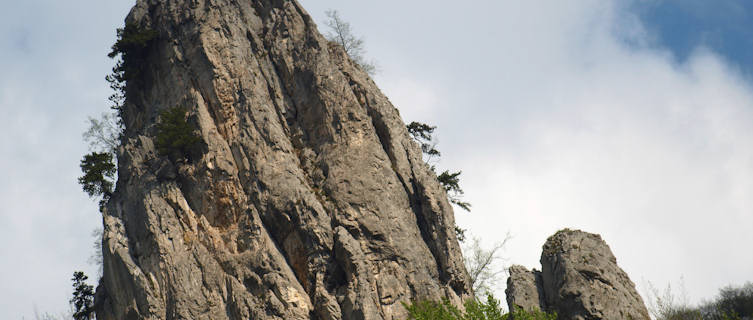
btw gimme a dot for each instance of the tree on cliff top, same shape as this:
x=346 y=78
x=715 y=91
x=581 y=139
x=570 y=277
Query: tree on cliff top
x=341 y=33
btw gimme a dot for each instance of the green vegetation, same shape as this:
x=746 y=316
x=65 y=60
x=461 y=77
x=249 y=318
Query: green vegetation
x=99 y=172
x=175 y=136
x=422 y=134
x=432 y=310
x=451 y=184
x=83 y=297
x=130 y=49
x=132 y=44
x=732 y=303
x=474 y=310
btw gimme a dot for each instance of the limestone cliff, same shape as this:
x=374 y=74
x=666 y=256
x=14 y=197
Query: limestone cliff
x=307 y=199
x=579 y=279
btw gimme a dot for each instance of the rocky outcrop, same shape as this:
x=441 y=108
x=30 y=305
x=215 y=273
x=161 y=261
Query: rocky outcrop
x=307 y=199
x=524 y=289
x=579 y=279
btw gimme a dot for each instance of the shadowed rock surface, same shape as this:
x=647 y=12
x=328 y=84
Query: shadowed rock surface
x=523 y=289
x=579 y=279
x=307 y=199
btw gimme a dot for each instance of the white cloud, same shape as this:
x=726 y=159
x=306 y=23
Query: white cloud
x=562 y=115
x=559 y=114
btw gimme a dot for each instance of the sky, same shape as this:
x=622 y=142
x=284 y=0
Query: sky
x=626 y=118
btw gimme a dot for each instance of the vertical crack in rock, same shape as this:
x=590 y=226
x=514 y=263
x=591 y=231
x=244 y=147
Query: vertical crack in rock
x=307 y=199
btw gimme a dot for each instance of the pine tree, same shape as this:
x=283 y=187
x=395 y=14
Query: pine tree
x=83 y=297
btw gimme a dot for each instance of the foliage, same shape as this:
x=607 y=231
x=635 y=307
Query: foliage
x=131 y=46
x=732 y=303
x=104 y=134
x=422 y=134
x=130 y=50
x=175 y=136
x=83 y=297
x=432 y=310
x=474 y=310
x=451 y=184
x=99 y=171
x=460 y=233
x=482 y=265
x=341 y=33
x=736 y=300
x=520 y=314
x=478 y=310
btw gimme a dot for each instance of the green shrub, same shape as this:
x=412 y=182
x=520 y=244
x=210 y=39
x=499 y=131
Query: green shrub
x=99 y=171
x=474 y=310
x=432 y=310
x=478 y=310
x=132 y=44
x=130 y=49
x=175 y=136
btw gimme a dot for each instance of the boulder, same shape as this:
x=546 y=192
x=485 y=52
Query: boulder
x=579 y=279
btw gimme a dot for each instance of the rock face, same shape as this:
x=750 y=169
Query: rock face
x=524 y=289
x=579 y=279
x=308 y=199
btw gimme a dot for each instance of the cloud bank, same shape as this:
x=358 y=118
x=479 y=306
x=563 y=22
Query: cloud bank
x=574 y=115
x=559 y=114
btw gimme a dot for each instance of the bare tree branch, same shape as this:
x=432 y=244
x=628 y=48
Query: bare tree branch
x=484 y=266
x=341 y=33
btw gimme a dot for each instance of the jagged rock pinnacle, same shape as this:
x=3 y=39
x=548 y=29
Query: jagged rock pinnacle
x=307 y=198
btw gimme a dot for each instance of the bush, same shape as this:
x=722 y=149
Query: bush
x=474 y=310
x=130 y=48
x=131 y=45
x=732 y=303
x=175 y=136
x=432 y=310
x=99 y=171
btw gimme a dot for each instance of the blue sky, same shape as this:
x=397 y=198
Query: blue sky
x=683 y=26
x=626 y=118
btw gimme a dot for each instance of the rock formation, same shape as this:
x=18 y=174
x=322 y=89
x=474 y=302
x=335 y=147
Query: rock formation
x=579 y=279
x=307 y=200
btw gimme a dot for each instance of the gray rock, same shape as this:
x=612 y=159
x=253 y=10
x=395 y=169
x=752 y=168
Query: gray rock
x=524 y=289
x=579 y=279
x=309 y=199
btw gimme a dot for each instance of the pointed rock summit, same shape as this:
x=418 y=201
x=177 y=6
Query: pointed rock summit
x=579 y=279
x=306 y=198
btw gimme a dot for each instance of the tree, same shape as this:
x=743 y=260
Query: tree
x=175 y=136
x=482 y=265
x=99 y=172
x=341 y=33
x=104 y=134
x=450 y=181
x=451 y=184
x=732 y=303
x=130 y=51
x=422 y=133
x=83 y=297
